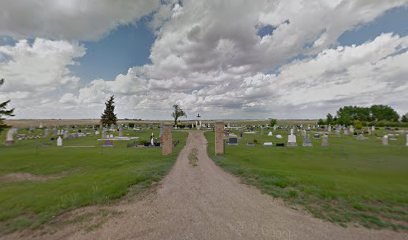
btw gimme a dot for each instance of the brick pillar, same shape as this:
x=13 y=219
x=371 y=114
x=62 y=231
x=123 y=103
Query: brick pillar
x=219 y=138
x=167 y=140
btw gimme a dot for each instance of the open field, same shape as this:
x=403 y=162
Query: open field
x=350 y=181
x=38 y=180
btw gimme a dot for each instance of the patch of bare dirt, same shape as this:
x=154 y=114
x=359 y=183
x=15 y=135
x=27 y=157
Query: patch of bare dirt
x=204 y=202
x=21 y=177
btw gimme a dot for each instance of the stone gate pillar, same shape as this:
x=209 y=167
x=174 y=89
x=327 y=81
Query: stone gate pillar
x=219 y=138
x=167 y=140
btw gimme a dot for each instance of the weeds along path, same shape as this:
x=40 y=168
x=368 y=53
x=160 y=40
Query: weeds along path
x=198 y=200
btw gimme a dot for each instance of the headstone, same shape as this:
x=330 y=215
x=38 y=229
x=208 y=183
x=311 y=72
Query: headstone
x=338 y=132
x=233 y=141
x=59 y=141
x=316 y=136
x=351 y=129
x=46 y=132
x=291 y=131
x=275 y=127
x=152 y=139
x=270 y=134
x=107 y=143
x=361 y=137
x=10 y=136
x=120 y=131
x=307 y=142
x=292 y=140
x=65 y=134
x=385 y=140
x=406 y=141
x=219 y=138
x=346 y=132
x=278 y=136
x=268 y=144
x=325 y=140
x=329 y=128
x=372 y=128
x=167 y=140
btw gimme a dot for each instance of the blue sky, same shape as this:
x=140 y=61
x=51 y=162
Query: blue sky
x=394 y=20
x=222 y=59
x=124 y=47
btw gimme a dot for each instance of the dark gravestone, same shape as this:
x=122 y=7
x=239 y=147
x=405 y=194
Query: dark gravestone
x=280 y=144
x=233 y=141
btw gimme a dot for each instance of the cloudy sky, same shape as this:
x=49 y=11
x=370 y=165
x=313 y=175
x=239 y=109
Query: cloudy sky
x=219 y=58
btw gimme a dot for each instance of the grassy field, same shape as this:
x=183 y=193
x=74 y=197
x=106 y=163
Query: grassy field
x=350 y=181
x=72 y=177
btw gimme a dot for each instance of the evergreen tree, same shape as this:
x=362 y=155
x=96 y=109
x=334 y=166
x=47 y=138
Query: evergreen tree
x=4 y=111
x=108 y=117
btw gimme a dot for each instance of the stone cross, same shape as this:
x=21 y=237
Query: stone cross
x=219 y=138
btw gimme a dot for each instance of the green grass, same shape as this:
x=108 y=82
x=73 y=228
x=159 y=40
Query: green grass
x=87 y=176
x=349 y=181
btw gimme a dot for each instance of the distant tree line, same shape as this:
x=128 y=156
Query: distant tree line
x=378 y=115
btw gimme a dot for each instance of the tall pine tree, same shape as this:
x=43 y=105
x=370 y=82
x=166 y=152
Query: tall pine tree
x=4 y=111
x=108 y=117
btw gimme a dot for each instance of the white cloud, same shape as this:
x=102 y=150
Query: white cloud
x=69 y=19
x=36 y=73
x=208 y=57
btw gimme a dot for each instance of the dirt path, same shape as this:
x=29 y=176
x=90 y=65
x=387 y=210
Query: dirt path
x=204 y=202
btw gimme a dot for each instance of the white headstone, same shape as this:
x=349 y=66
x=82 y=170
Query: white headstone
x=10 y=136
x=270 y=134
x=268 y=144
x=59 y=141
x=292 y=140
x=385 y=140
x=291 y=131
x=351 y=129
x=329 y=128
x=372 y=128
